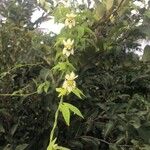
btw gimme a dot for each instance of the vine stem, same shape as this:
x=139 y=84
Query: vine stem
x=2 y=75
x=56 y=120
x=18 y=95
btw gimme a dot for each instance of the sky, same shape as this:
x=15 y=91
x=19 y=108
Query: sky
x=54 y=27
x=49 y=26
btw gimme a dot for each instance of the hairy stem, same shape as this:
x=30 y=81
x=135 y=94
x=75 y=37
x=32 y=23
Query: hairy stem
x=56 y=120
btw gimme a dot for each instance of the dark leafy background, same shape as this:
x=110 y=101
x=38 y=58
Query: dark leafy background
x=116 y=84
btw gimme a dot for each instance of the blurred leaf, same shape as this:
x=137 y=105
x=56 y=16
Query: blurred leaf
x=146 y=55
x=113 y=147
x=40 y=88
x=80 y=31
x=144 y=133
x=146 y=147
x=46 y=86
x=4 y=112
x=2 y=130
x=8 y=147
x=135 y=122
x=109 y=4
x=108 y=129
x=44 y=73
x=14 y=128
x=61 y=91
x=120 y=139
x=66 y=113
x=62 y=148
x=74 y=109
x=91 y=141
x=78 y=93
x=21 y=147
x=52 y=145
x=63 y=66
x=100 y=10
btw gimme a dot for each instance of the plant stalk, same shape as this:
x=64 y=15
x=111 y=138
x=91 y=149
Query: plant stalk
x=56 y=120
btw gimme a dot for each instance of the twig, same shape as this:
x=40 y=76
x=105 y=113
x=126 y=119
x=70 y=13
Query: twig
x=18 y=95
x=112 y=13
x=2 y=75
x=102 y=140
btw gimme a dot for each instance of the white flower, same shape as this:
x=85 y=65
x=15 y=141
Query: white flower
x=69 y=83
x=70 y=20
x=25 y=25
x=68 y=47
x=16 y=3
x=4 y=20
x=41 y=42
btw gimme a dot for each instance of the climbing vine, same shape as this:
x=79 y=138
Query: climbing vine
x=69 y=84
x=41 y=76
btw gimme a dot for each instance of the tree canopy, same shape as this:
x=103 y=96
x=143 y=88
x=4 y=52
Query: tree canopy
x=98 y=43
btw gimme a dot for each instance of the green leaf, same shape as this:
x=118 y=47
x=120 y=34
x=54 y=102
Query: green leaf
x=44 y=73
x=78 y=93
x=2 y=130
x=5 y=112
x=90 y=32
x=100 y=10
x=109 y=127
x=44 y=4
x=109 y=4
x=146 y=55
x=144 y=133
x=8 y=147
x=14 y=128
x=113 y=147
x=120 y=139
x=62 y=148
x=135 y=122
x=66 y=113
x=64 y=66
x=146 y=147
x=46 y=86
x=94 y=142
x=52 y=145
x=61 y=91
x=80 y=31
x=47 y=6
x=147 y=14
x=41 y=2
x=40 y=88
x=43 y=87
x=74 y=109
x=21 y=147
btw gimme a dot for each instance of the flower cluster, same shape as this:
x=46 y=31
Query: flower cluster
x=68 y=44
x=68 y=47
x=70 y=20
x=69 y=83
x=68 y=86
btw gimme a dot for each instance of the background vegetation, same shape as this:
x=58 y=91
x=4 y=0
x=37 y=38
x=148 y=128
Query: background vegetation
x=115 y=81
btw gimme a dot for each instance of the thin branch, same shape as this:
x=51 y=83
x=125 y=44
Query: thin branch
x=2 y=75
x=108 y=16
x=41 y=19
x=18 y=95
x=104 y=141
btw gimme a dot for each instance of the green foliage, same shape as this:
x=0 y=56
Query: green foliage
x=115 y=83
x=66 y=113
x=146 y=55
x=66 y=108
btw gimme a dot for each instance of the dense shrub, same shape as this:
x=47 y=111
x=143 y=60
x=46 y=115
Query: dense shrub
x=116 y=83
